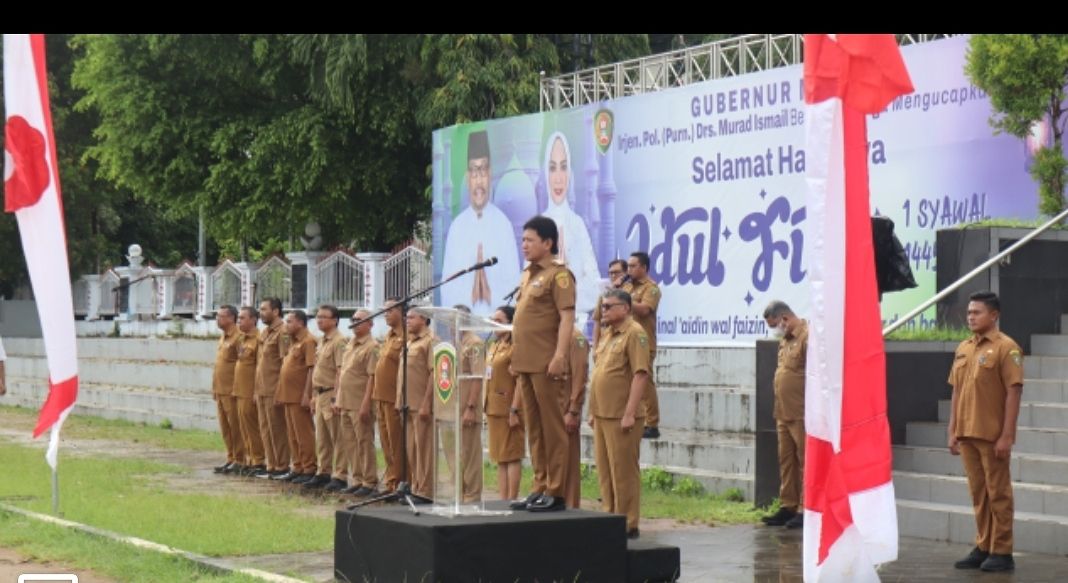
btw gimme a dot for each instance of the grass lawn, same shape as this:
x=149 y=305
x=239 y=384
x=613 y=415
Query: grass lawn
x=131 y=496
x=87 y=427
x=76 y=551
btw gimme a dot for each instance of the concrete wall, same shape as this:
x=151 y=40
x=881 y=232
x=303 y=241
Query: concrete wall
x=18 y=318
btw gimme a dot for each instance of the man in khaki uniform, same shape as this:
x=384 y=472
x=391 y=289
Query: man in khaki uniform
x=472 y=359
x=789 y=411
x=294 y=393
x=385 y=401
x=617 y=277
x=356 y=383
x=420 y=430
x=987 y=379
x=544 y=323
x=324 y=396
x=579 y=367
x=272 y=417
x=620 y=373
x=222 y=390
x=244 y=389
x=645 y=299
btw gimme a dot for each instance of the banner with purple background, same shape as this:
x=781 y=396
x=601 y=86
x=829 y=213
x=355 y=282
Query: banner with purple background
x=709 y=180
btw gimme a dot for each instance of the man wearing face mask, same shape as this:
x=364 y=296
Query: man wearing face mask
x=789 y=411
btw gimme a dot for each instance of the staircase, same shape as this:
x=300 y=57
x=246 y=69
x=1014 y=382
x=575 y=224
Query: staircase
x=932 y=493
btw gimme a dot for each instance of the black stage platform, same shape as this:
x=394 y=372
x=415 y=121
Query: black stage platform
x=391 y=544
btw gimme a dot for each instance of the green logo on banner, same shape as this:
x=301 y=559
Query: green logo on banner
x=444 y=371
x=603 y=124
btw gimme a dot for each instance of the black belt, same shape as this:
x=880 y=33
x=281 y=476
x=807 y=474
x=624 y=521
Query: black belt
x=323 y=389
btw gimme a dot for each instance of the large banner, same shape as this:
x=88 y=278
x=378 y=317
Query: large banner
x=709 y=180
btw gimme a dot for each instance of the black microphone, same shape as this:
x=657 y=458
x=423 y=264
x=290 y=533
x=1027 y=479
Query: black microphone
x=511 y=294
x=484 y=264
x=626 y=278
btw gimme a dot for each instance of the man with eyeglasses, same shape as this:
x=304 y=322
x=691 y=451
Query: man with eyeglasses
x=617 y=277
x=620 y=377
x=479 y=232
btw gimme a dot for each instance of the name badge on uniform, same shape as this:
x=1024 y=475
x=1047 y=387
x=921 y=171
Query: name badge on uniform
x=489 y=372
x=537 y=282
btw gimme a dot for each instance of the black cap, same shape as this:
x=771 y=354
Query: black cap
x=478 y=145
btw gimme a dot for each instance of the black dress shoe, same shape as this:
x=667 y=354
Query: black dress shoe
x=302 y=479
x=318 y=481
x=974 y=559
x=998 y=563
x=633 y=533
x=547 y=503
x=362 y=492
x=222 y=468
x=235 y=468
x=525 y=503
x=780 y=518
x=283 y=476
x=651 y=433
x=253 y=470
x=336 y=485
x=798 y=521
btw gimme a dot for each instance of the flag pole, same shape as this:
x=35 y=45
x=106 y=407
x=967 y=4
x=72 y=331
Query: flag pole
x=55 y=491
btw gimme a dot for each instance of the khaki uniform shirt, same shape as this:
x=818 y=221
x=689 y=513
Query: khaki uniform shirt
x=579 y=368
x=646 y=293
x=984 y=367
x=546 y=288
x=500 y=384
x=622 y=352
x=388 y=367
x=269 y=358
x=222 y=379
x=299 y=358
x=357 y=367
x=790 y=375
x=328 y=360
x=245 y=371
x=420 y=365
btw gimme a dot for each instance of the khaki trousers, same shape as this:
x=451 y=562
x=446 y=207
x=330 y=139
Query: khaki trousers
x=791 y=436
x=618 y=473
x=991 y=489
x=544 y=405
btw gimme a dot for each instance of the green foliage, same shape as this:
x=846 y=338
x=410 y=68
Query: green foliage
x=733 y=495
x=938 y=334
x=166 y=424
x=657 y=479
x=1025 y=77
x=687 y=486
x=1011 y=223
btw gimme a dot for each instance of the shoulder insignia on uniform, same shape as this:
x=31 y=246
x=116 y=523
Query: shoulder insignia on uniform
x=1016 y=357
x=581 y=341
x=643 y=339
x=653 y=290
x=563 y=279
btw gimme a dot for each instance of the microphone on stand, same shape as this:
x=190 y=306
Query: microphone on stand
x=475 y=267
x=511 y=294
x=626 y=278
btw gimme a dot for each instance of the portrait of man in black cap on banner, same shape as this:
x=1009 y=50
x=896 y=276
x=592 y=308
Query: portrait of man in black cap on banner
x=479 y=232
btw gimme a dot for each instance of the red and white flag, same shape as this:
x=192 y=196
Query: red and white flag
x=31 y=191
x=850 y=515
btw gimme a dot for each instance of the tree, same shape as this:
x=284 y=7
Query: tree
x=1025 y=76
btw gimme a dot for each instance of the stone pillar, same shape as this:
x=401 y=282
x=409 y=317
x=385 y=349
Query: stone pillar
x=165 y=293
x=374 y=282
x=204 y=295
x=92 y=311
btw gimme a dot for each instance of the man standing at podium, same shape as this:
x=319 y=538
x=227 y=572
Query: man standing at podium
x=543 y=327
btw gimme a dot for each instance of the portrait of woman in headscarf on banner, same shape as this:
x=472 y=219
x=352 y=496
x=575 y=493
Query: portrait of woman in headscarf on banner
x=576 y=247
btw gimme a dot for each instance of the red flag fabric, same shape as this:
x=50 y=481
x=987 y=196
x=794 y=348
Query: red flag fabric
x=31 y=191
x=850 y=512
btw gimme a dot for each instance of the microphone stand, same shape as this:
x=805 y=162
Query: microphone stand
x=404 y=489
